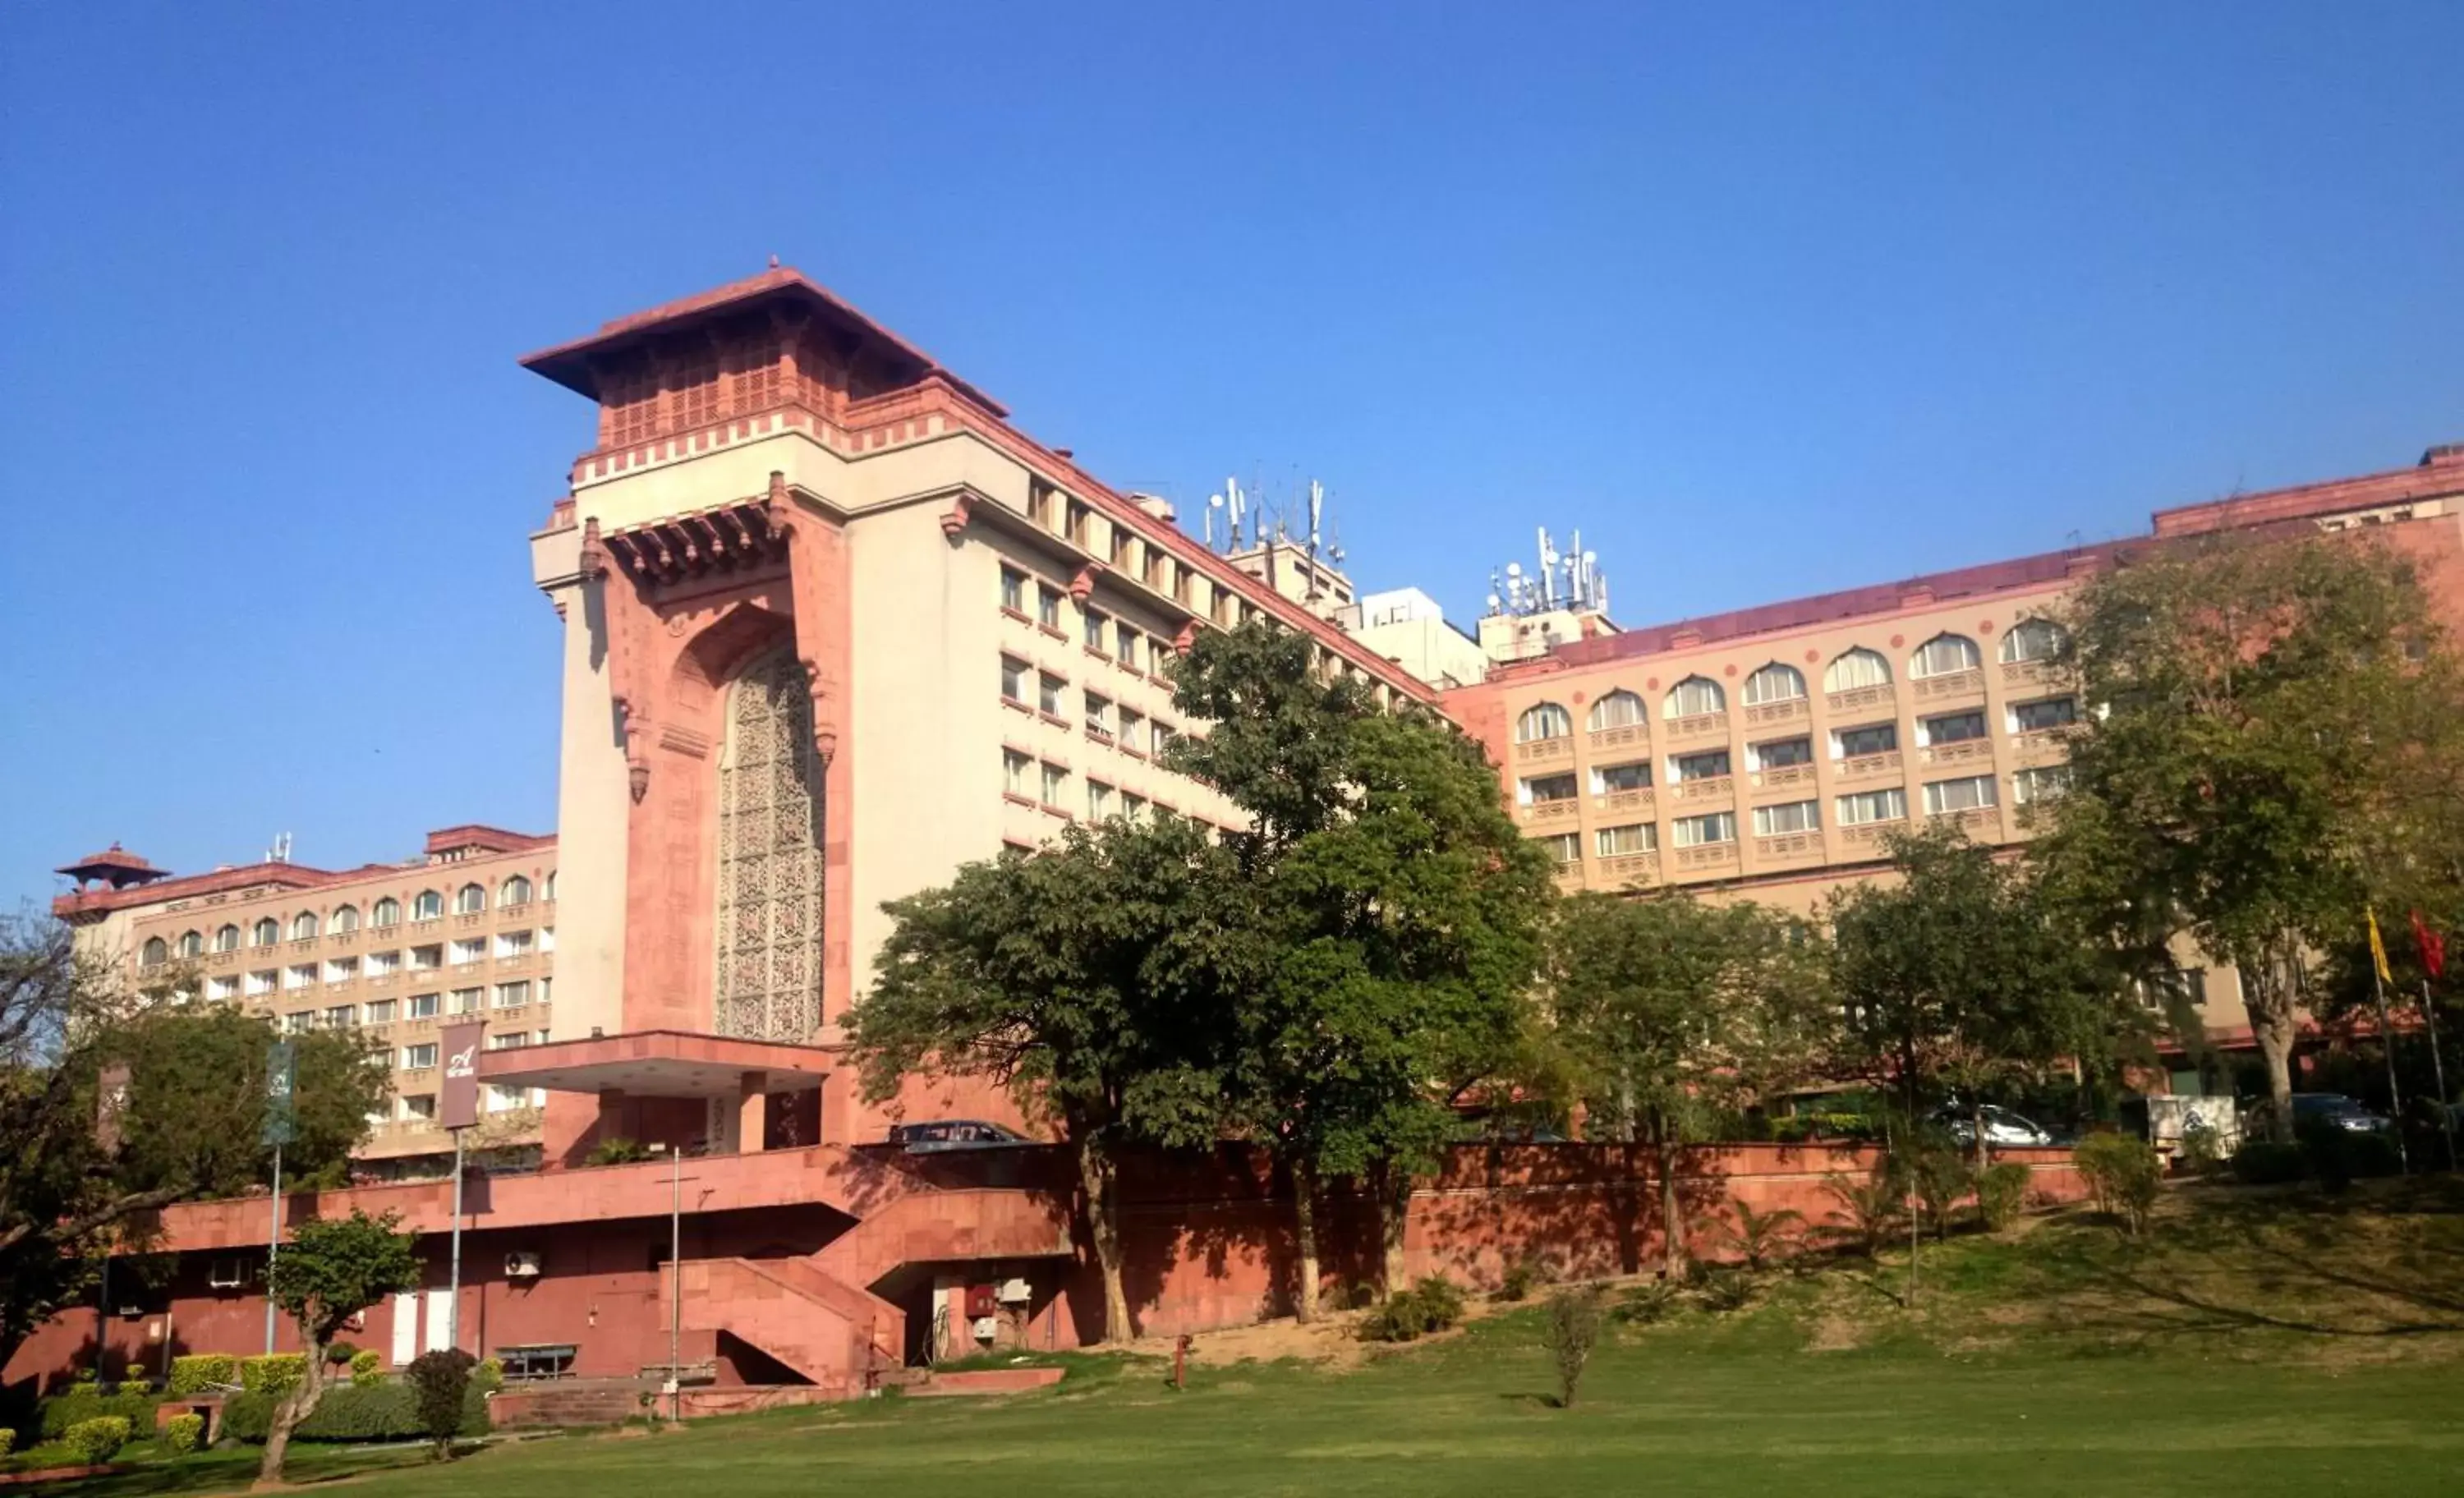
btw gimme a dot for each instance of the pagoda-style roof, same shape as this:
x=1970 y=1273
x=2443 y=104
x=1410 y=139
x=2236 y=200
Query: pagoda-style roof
x=115 y=866
x=577 y=364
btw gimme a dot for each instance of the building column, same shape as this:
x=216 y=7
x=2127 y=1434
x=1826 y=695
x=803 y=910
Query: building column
x=752 y=1111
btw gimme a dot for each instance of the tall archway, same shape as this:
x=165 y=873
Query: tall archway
x=768 y=978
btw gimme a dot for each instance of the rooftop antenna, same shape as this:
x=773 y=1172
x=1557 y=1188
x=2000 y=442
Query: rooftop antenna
x=280 y=852
x=1214 y=502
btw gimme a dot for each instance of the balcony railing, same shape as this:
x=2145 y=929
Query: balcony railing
x=1698 y=725
x=1778 y=712
x=1711 y=787
x=1862 y=766
x=1629 y=868
x=1856 y=700
x=1789 y=845
x=1964 y=752
x=1980 y=821
x=1627 y=736
x=1625 y=801
x=1556 y=810
x=1545 y=749
x=1967 y=683
x=1706 y=855
x=1784 y=775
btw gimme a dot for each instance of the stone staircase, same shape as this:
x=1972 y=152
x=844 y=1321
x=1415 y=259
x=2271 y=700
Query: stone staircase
x=571 y=1401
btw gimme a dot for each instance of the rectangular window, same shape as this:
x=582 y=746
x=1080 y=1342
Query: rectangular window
x=1950 y=728
x=1640 y=837
x=1961 y=795
x=1709 y=766
x=1867 y=807
x=1056 y=784
x=2174 y=989
x=1047 y=696
x=2034 y=718
x=1163 y=736
x=384 y=963
x=547 y=938
x=1016 y=773
x=2044 y=782
x=1094 y=625
x=223 y=985
x=1541 y=790
x=1099 y=715
x=1014 y=680
x=341 y=970
x=1795 y=816
x=1850 y=744
x=1125 y=646
x=299 y=1024
x=419 y=1108
x=1134 y=727
x=299 y=975
x=546 y=995
x=423 y=1054
x=423 y=1006
x=1080 y=522
x=380 y=1011
x=1048 y=607
x=468 y=950
x=262 y=983
x=1099 y=800
x=463 y=1001
x=1564 y=849
x=426 y=960
x=1781 y=753
x=1610 y=779
x=1013 y=590
x=342 y=1017
x=1132 y=808
x=509 y=1039
x=513 y=996
x=1702 y=831
x=513 y=943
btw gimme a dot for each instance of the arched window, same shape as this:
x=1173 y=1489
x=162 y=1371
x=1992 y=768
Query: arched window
x=227 y=938
x=265 y=933
x=470 y=900
x=155 y=953
x=517 y=890
x=1543 y=720
x=551 y=885
x=386 y=911
x=346 y=918
x=1943 y=654
x=1619 y=709
x=1857 y=668
x=1775 y=683
x=192 y=943
x=1693 y=698
x=303 y=926
x=427 y=905
x=2032 y=640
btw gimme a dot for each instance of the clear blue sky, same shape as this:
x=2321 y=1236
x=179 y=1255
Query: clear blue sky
x=1765 y=300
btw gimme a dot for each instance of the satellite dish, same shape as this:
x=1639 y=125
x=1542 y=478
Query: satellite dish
x=1514 y=569
x=1492 y=601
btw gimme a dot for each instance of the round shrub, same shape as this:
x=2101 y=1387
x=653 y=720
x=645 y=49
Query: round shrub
x=99 y=1440
x=273 y=1373
x=2125 y=1174
x=339 y=1354
x=2002 y=1194
x=440 y=1384
x=85 y=1401
x=184 y=1433
x=487 y=1374
x=367 y=1368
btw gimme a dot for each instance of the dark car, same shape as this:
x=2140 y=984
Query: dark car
x=2321 y=1110
x=954 y=1134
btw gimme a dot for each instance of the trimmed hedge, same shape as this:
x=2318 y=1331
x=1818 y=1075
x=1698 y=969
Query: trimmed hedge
x=87 y=1401
x=184 y=1433
x=367 y=1368
x=351 y=1412
x=273 y=1373
x=199 y=1372
x=99 y=1440
x=8 y=1440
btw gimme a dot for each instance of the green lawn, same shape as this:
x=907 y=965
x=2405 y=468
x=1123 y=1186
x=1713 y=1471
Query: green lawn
x=2223 y=1359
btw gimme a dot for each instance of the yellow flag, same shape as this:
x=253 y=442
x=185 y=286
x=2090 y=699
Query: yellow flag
x=2378 y=948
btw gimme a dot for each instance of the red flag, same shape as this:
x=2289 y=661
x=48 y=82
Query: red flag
x=2433 y=946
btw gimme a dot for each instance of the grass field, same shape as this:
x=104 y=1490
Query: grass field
x=2256 y=1348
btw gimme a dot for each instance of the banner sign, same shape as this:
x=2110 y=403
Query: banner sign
x=458 y=1106
x=281 y=1081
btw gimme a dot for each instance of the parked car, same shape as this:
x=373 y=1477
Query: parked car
x=2003 y=1127
x=954 y=1134
x=2319 y=1111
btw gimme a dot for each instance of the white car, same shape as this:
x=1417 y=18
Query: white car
x=2003 y=1127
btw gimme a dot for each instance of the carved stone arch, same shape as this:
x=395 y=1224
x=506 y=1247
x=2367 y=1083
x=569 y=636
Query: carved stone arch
x=766 y=982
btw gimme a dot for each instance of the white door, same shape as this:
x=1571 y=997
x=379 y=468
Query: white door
x=440 y=1320
x=405 y=1327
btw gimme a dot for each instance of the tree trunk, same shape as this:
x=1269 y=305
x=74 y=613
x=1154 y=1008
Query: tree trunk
x=1976 y=1122
x=295 y=1406
x=1394 y=1189
x=2273 y=1024
x=1096 y=1178
x=1672 y=1212
x=1305 y=1237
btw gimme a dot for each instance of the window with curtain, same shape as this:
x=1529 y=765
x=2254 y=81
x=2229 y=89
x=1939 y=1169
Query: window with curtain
x=517 y=890
x=1634 y=838
x=266 y=933
x=386 y=911
x=227 y=938
x=1943 y=654
x=1619 y=709
x=155 y=953
x=303 y=926
x=1774 y=683
x=427 y=905
x=1870 y=806
x=1609 y=778
x=1966 y=794
x=192 y=943
x=1704 y=832
x=470 y=900
x=346 y=918
x=1795 y=816
x=2032 y=640
x=1695 y=697
x=1857 y=668
x=1543 y=720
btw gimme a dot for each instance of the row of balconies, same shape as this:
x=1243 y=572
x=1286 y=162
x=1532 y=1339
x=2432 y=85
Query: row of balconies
x=1780 y=852
x=1718 y=791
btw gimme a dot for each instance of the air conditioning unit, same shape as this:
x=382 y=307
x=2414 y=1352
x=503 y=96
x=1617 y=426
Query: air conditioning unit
x=225 y=1274
x=987 y=1328
x=1015 y=1293
x=522 y=1265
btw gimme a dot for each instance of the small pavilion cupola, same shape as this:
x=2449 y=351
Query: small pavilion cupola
x=114 y=867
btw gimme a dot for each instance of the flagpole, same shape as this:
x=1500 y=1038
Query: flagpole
x=2438 y=1072
x=2395 y=1095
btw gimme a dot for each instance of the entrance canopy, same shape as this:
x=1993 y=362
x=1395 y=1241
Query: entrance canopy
x=658 y=1064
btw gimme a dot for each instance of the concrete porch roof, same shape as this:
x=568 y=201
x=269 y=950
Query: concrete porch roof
x=657 y=1063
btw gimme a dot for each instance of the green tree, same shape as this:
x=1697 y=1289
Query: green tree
x=1084 y=979
x=2273 y=743
x=187 y=1122
x=1668 y=1014
x=1964 y=974
x=332 y=1269
x=1394 y=914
